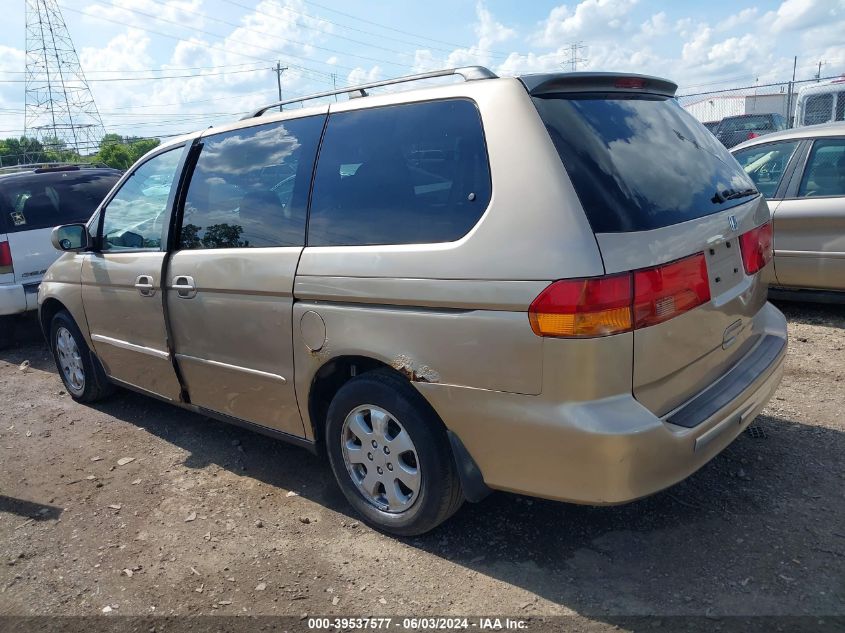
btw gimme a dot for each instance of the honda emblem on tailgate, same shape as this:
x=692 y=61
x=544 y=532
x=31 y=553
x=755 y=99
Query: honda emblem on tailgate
x=733 y=223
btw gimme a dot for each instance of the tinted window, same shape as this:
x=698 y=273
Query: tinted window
x=818 y=109
x=250 y=187
x=825 y=171
x=765 y=164
x=37 y=201
x=137 y=214
x=641 y=163
x=840 y=106
x=414 y=173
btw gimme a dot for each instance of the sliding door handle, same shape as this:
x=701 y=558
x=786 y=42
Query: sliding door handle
x=185 y=287
x=145 y=285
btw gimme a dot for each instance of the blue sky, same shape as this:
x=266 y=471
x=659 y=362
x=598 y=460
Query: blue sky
x=195 y=63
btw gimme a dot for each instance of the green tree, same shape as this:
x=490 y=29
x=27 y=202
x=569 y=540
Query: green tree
x=121 y=152
x=18 y=151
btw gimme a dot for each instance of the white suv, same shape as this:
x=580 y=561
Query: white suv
x=34 y=199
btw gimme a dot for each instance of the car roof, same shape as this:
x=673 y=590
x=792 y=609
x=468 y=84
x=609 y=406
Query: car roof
x=798 y=133
x=37 y=173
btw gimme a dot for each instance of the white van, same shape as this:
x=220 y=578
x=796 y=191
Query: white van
x=34 y=199
x=821 y=103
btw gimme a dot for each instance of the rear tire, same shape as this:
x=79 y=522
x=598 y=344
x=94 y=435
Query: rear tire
x=8 y=324
x=79 y=369
x=410 y=490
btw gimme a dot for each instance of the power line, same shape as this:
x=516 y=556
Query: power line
x=395 y=30
x=211 y=45
x=154 y=78
x=336 y=35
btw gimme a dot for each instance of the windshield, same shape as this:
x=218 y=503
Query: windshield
x=642 y=162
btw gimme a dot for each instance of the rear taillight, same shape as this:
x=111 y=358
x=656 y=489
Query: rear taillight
x=751 y=135
x=756 y=247
x=5 y=256
x=596 y=306
x=664 y=292
x=600 y=306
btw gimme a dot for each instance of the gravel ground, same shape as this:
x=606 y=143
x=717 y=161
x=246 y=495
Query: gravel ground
x=134 y=507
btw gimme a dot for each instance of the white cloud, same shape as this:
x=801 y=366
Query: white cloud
x=127 y=11
x=793 y=15
x=590 y=18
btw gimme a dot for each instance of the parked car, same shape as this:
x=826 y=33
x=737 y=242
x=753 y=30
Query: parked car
x=582 y=319
x=34 y=199
x=821 y=103
x=802 y=173
x=733 y=130
x=711 y=125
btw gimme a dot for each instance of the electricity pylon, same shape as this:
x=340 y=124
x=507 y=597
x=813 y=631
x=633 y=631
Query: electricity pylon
x=60 y=110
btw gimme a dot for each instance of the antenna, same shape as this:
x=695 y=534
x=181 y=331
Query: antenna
x=60 y=110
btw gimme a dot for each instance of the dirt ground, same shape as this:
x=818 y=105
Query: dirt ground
x=211 y=519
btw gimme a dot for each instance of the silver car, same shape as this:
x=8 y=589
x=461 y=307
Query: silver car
x=549 y=284
x=802 y=173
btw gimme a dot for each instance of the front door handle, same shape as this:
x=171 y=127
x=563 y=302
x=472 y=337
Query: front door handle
x=185 y=287
x=145 y=285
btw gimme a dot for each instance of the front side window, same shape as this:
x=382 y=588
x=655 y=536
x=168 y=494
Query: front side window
x=406 y=174
x=818 y=109
x=250 y=187
x=825 y=171
x=765 y=164
x=137 y=214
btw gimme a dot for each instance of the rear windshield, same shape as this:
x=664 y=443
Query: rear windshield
x=37 y=201
x=640 y=163
x=749 y=123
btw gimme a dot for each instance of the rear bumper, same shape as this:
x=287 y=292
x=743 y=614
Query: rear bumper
x=606 y=451
x=17 y=299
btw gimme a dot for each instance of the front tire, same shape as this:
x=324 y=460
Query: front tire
x=79 y=370
x=390 y=455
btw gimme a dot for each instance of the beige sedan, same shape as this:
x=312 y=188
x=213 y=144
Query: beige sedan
x=802 y=173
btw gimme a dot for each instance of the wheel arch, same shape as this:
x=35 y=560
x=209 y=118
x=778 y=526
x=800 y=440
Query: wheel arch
x=328 y=380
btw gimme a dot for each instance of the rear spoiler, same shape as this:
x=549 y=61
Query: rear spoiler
x=551 y=83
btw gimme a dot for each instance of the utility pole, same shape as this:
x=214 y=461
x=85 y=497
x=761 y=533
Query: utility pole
x=279 y=70
x=790 y=92
x=573 y=60
x=334 y=84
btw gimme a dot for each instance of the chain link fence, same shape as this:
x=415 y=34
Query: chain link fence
x=804 y=102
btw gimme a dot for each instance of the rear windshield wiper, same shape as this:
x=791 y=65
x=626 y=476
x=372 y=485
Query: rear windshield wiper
x=733 y=194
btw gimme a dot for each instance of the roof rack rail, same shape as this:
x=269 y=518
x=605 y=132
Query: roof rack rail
x=48 y=166
x=469 y=73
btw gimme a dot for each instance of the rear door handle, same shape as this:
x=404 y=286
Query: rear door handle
x=185 y=287
x=145 y=285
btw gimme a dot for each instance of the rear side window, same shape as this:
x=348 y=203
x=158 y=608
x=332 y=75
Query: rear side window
x=641 y=163
x=405 y=174
x=765 y=164
x=825 y=171
x=37 y=201
x=250 y=187
x=818 y=109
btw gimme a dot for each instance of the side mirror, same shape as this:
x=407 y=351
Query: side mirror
x=70 y=237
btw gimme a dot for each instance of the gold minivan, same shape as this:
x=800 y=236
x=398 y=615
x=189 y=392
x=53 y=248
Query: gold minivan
x=548 y=284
